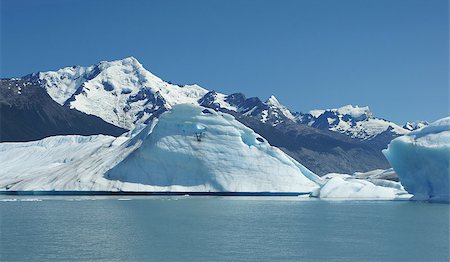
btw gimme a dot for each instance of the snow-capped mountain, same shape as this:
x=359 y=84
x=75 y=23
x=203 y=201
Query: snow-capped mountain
x=125 y=94
x=271 y=112
x=356 y=122
x=411 y=126
x=121 y=92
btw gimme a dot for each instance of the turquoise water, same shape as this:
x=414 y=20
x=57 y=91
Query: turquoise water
x=221 y=229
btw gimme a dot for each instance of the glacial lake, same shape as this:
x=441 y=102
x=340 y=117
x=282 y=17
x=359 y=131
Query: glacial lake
x=148 y=228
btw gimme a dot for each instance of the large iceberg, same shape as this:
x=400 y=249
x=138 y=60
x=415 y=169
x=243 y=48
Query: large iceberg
x=188 y=149
x=421 y=159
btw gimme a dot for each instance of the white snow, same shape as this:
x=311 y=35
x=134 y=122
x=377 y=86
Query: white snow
x=368 y=128
x=264 y=116
x=120 y=92
x=356 y=122
x=62 y=84
x=415 y=125
x=274 y=103
x=220 y=99
x=189 y=148
x=316 y=112
x=125 y=94
x=422 y=158
x=353 y=111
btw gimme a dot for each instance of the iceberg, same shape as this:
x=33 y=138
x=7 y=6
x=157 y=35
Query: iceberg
x=343 y=186
x=421 y=160
x=188 y=149
x=385 y=174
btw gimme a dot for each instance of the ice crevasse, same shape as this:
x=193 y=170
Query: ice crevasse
x=421 y=159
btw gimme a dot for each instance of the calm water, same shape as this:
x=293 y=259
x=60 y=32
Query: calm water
x=221 y=229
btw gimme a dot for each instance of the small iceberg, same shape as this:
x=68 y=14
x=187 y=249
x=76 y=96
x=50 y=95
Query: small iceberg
x=343 y=186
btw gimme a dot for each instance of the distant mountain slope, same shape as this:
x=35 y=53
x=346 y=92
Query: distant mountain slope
x=321 y=151
x=355 y=122
x=270 y=112
x=28 y=113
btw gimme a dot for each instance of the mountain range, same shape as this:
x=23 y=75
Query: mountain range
x=113 y=97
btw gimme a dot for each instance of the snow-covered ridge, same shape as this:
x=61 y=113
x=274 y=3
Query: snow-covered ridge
x=121 y=92
x=271 y=112
x=189 y=148
x=354 y=121
x=125 y=94
x=273 y=103
x=350 y=110
x=354 y=111
x=414 y=125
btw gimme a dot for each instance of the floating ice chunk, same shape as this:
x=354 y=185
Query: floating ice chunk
x=341 y=186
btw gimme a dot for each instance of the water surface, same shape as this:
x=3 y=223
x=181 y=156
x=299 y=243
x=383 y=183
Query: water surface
x=146 y=228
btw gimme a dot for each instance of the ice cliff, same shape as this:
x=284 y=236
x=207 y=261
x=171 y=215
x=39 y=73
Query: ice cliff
x=421 y=160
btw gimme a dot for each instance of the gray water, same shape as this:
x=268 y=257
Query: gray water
x=221 y=229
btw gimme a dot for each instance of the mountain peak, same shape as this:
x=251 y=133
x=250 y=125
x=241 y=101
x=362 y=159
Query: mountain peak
x=273 y=101
x=131 y=62
x=121 y=92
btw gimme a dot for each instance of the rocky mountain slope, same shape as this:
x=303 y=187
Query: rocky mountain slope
x=28 y=113
x=355 y=122
x=322 y=151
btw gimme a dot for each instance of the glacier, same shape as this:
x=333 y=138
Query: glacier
x=421 y=159
x=188 y=149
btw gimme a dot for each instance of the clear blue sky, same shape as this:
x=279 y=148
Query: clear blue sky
x=391 y=55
